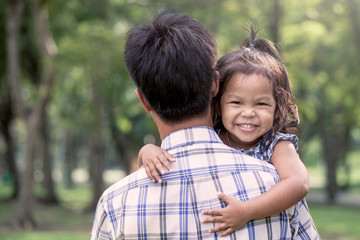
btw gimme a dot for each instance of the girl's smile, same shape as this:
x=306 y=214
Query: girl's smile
x=247 y=127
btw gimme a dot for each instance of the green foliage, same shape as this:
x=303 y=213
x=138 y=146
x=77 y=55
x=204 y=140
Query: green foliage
x=5 y=186
x=348 y=171
x=75 y=198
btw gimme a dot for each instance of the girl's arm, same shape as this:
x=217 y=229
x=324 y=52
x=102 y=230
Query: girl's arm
x=154 y=158
x=293 y=186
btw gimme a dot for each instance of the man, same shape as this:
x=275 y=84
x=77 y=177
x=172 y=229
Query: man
x=172 y=62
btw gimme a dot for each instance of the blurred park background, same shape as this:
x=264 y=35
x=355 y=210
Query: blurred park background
x=70 y=123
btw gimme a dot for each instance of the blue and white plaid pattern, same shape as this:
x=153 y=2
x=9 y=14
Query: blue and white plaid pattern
x=265 y=147
x=136 y=208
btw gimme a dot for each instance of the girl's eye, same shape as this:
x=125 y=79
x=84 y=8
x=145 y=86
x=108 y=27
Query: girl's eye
x=235 y=102
x=261 y=104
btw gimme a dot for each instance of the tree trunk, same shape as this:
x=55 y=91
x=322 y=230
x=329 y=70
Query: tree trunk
x=97 y=159
x=50 y=195
x=334 y=143
x=121 y=143
x=330 y=154
x=354 y=20
x=69 y=159
x=345 y=143
x=14 y=16
x=6 y=117
x=11 y=163
x=96 y=141
x=275 y=15
x=23 y=215
x=335 y=149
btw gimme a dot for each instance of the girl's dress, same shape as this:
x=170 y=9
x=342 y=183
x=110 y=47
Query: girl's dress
x=265 y=147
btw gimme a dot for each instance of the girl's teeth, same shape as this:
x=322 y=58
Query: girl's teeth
x=247 y=126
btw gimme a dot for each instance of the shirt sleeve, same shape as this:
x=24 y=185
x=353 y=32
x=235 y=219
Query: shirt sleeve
x=101 y=228
x=282 y=137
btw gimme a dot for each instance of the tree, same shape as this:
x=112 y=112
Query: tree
x=48 y=182
x=32 y=117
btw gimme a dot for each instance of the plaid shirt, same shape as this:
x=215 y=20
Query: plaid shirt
x=136 y=208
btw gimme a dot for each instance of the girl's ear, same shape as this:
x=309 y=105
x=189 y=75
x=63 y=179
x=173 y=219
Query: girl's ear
x=143 y=100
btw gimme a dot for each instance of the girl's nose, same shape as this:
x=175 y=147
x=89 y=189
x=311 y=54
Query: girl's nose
x=248 y=112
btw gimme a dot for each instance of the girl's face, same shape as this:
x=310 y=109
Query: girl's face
x=247 y=110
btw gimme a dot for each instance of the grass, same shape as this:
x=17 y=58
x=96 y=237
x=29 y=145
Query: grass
x=332 y=221
x=55 y=222
x=336 y=222
x=45 y=236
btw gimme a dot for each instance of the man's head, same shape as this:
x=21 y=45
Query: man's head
x=172 y=62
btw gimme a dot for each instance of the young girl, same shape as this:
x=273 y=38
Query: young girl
x=255 y=113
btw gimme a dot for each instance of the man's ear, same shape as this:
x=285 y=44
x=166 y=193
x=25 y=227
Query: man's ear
x=143 y=100
x=215 y=85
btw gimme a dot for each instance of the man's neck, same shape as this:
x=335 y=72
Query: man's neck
x=165 y=129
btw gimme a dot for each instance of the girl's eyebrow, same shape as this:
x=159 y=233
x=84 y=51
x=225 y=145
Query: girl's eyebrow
x=265 y=97
x=232 y=95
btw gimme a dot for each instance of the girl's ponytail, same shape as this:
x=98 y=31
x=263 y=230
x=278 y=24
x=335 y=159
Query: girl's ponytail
x=260 y=44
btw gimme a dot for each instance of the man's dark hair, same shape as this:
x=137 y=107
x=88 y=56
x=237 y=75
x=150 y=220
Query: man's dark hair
x=172 y=62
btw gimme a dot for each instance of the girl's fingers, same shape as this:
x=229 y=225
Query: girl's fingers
x=213 y=219
x=154 y=172
x=224 y=197
x=212 y=212
x=164 y=161
x=158 y=166
x=218 y=228
x=147 y=170
x=169 y=156
x=226 y=232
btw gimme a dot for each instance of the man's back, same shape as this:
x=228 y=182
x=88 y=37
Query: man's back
x=136 y=208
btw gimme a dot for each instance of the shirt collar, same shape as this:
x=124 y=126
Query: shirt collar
x=188 y=136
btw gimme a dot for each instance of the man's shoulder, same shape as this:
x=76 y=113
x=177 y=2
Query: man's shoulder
x=134 y=180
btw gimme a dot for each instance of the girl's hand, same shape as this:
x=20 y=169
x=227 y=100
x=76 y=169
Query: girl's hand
x=234 y=216
x=154 y=158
